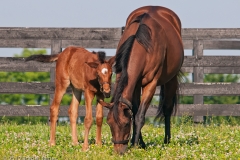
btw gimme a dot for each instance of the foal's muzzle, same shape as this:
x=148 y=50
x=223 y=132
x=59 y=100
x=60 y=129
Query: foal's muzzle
x=106 y=95
x=105 y=88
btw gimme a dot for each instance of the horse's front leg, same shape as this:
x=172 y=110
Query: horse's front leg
x=140 y=142
x=136 y=103
x=147 y=94
x=89 y=95
x=73 y=113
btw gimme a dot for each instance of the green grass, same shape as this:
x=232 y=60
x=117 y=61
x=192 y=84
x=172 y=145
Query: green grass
x=189 y=141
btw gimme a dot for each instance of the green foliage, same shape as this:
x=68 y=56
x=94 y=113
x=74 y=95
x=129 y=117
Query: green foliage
x=28 y=99
x=233 y=78
x=221 y=99
x=221 y=78
x=32 y=99
x=25 y=99
x=24 y=120
x=186 y=99
x=211 y=78
x=189 y=141
x=28 y=52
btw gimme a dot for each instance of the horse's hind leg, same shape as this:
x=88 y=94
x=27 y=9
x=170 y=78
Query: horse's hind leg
x=168 y=105
x=73 y=113
x=61 y=86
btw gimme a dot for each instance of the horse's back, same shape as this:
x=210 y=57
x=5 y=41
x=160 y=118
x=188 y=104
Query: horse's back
x=157 y=12
x=166 y=40
x=71 y=65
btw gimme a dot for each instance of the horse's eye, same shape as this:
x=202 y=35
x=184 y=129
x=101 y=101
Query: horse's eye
x=127 y=112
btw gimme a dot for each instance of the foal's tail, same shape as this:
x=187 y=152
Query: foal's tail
x=42 y=58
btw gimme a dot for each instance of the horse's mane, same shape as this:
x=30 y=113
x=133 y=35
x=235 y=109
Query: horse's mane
x=101 y=56
x=143 y=36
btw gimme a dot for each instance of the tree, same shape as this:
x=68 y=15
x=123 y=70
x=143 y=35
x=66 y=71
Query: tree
x=28 y=99
x=221 y=99
x=185 y=99
x=25 y=99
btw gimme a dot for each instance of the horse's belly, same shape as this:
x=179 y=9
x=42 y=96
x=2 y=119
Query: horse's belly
x=167 y=75
x=77 y=83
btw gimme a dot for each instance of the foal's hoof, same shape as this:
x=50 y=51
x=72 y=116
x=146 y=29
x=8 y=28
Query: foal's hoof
x=85 y=148
x=75 y=143
x=99 y=144
x=52 y=144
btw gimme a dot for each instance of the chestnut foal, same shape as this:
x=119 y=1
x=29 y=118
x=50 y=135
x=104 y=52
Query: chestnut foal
x=83 y=71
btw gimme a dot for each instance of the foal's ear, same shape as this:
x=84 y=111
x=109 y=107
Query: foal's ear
x=92 y=64
x=111 y=60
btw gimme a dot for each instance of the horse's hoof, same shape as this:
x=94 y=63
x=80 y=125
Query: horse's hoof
x=143 y=145
x=166 y=141
x=140 y=145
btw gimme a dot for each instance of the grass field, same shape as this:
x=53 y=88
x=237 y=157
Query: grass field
x=189 y=141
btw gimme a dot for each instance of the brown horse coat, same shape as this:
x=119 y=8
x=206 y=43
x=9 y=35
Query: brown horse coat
x=83 y=71
x=150 y=53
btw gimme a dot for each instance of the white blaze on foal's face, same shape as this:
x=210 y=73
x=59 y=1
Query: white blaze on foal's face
x=104 y=71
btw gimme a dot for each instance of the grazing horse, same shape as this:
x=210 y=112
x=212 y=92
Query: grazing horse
x=83 y=71
x=150 y=53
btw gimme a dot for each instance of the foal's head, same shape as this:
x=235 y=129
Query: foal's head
x=103 y=72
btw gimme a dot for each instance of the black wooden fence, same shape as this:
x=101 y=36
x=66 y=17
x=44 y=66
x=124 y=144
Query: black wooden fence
x=57 y=38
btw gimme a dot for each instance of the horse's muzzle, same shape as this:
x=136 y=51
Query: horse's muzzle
x=120 y=148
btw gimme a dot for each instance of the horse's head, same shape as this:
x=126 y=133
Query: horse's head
x=103 y=74
x=120 y=121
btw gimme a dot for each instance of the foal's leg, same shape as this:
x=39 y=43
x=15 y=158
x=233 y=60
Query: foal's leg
x=61 y=86
x=89 y=95
x=99 y=121
x=147 y=94
x=73 y=113
x=168 y=104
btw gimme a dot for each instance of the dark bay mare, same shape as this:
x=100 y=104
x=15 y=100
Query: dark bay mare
x=83 y=71
x=150 y=53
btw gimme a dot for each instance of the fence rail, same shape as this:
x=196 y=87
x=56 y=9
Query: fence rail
x=194 y=39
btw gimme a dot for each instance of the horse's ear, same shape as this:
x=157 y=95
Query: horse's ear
x=111 y=60
x=92 y=64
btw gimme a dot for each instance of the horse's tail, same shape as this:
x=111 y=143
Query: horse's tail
x=42 y=58
x=160 y=112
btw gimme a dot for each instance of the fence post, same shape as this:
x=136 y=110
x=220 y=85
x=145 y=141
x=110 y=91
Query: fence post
x=56 y=47
x=198 y=75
